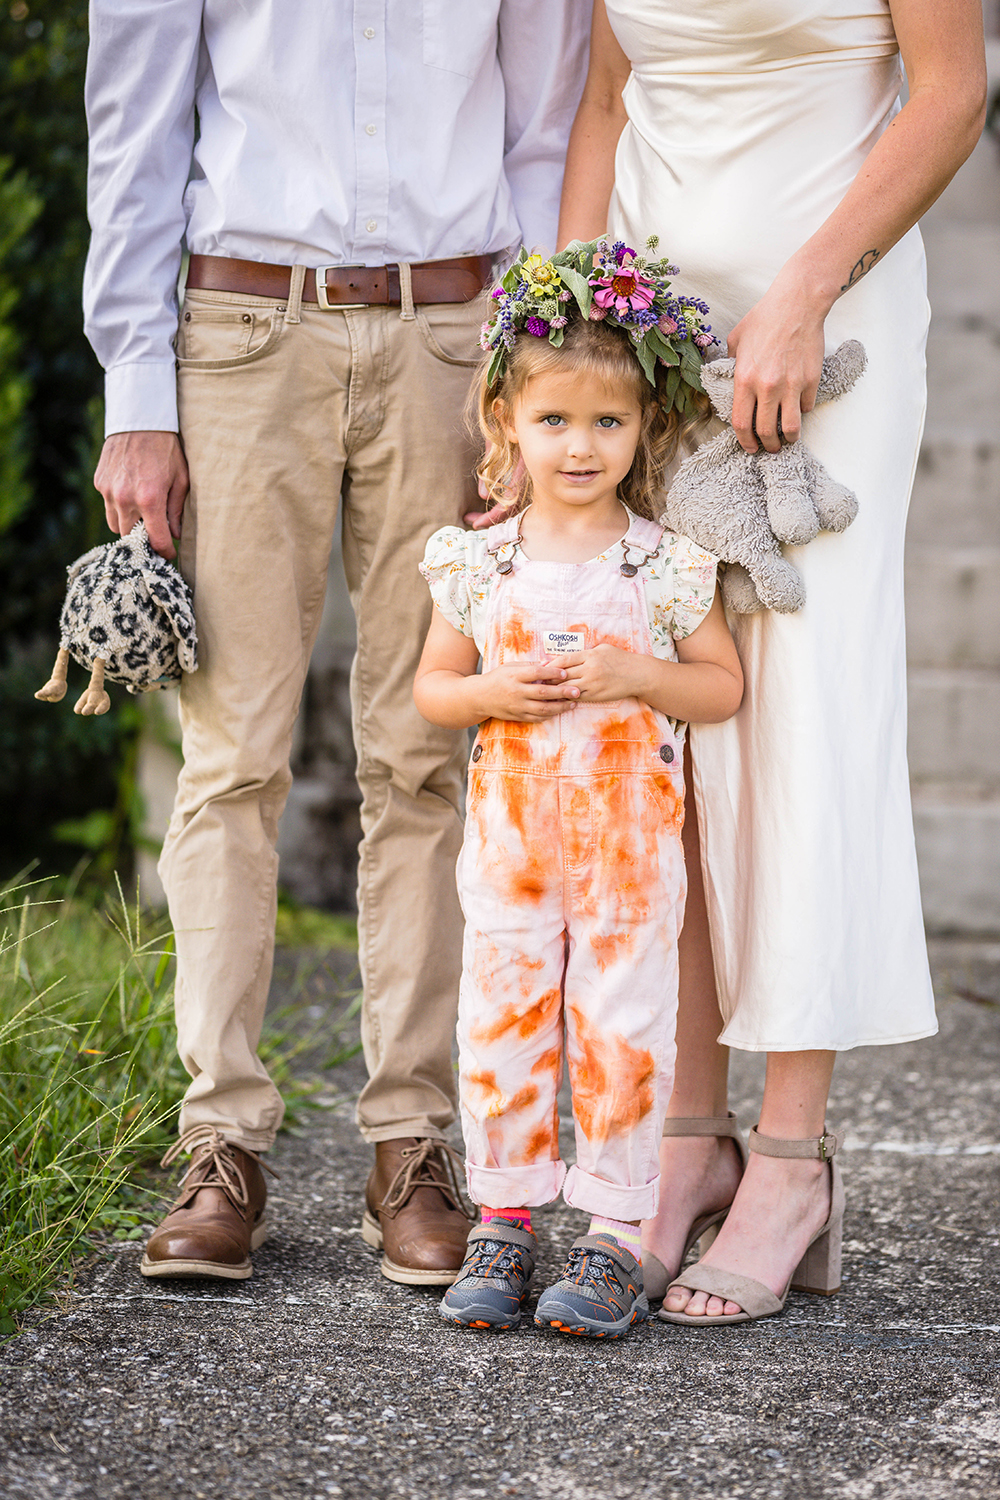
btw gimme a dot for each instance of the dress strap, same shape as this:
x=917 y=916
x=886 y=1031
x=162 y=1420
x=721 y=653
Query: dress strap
x=505 y=534
x=642 y=536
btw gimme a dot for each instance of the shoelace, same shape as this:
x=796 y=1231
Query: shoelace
x=495 y=1258
x=591 y=1268
x=212 y=1155
x=421 y=1167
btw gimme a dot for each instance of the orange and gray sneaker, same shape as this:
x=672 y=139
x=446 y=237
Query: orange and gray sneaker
x=493 y=1282
x=599 y=1293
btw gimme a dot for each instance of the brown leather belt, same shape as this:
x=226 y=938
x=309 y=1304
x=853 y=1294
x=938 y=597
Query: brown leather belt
x=345 y=286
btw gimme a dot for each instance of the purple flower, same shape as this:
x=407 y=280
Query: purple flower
x=537 y=327
x=497 y=291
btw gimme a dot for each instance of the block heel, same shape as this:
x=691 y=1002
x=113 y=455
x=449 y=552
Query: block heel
x=818 y=1271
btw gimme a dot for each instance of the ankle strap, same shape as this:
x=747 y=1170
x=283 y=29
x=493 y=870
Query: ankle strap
x=817 y=1148
x=722 y=1125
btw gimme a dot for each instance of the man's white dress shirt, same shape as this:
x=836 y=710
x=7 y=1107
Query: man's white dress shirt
x=328 y=132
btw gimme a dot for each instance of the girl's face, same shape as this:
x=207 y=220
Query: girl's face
x=577 y=437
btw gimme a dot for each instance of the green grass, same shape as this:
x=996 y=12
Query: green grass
x=89 y=1077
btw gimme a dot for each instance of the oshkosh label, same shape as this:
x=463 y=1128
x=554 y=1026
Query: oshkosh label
x=556 y=641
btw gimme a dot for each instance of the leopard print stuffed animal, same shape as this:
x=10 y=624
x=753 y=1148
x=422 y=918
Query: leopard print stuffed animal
x=128 y=617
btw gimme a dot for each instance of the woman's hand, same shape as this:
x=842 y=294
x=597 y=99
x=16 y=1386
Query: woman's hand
x=778 y=348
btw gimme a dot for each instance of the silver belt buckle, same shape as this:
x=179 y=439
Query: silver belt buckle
x=323 y=299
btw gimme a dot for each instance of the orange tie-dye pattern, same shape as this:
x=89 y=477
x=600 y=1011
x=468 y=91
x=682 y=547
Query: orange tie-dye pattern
x=572 y=882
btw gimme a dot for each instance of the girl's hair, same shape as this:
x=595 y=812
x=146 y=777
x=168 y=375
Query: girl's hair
x=593 y=348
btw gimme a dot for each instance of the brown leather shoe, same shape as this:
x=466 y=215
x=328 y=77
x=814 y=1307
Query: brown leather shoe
x=414 y=1212
x=218 y=1218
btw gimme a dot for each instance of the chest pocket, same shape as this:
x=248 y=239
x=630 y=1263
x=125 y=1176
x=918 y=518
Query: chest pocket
x=459 y=36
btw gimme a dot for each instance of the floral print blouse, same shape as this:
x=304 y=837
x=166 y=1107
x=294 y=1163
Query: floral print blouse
x=678 y=583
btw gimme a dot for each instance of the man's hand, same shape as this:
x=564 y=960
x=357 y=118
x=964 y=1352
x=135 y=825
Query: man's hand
x=526 y=691
x=144 y=476
x=605 y=673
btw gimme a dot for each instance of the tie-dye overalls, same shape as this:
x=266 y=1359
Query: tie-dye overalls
x=572 y=882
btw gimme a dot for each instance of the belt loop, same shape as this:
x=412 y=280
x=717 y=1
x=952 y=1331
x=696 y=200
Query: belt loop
x=294 y=313
x=406 y=309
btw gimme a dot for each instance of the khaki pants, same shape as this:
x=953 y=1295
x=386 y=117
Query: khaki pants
x=284 y=410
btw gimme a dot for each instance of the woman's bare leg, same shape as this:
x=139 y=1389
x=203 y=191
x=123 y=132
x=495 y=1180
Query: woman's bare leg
x=781 y=1202
x=698 y=1174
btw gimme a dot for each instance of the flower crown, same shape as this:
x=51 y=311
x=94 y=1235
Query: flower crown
x=606 y=281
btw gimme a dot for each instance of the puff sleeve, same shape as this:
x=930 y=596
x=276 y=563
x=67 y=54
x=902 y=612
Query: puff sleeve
x=446 y=569
x=694 y=572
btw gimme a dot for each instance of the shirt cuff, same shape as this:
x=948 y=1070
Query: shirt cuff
x=140 y=398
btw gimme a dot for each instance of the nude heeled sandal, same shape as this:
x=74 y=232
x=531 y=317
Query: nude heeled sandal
x=654 y=1272
x=819 y=1269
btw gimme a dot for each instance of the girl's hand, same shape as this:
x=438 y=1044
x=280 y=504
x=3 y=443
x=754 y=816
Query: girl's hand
x=604 y=674
x=778 y=348
x=526 y=691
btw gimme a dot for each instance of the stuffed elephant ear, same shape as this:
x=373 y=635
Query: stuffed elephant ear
x=717 y=378
x=841 y=371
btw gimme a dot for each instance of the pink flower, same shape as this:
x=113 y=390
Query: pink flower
x=627 y=291
x=667 y=325
x=704 y=340
x=597 y=313
x=559 y=322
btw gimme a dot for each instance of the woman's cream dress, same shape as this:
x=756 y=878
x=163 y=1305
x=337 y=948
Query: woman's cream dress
x=748 y=120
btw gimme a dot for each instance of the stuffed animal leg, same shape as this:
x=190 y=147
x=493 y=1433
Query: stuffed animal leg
x=55 y=689
x=94 y=699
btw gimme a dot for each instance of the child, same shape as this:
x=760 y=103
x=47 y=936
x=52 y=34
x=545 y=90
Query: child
x=600 y=634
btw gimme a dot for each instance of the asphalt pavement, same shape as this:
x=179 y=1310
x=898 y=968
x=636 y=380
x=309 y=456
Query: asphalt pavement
x=319 y=1378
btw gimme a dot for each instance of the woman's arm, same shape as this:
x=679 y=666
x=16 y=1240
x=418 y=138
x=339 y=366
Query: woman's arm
x=779 y=344
x=704 y=686
x=600 y=119
x=448 y=692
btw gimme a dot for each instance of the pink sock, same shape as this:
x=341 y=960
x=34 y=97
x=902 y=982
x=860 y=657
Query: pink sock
x=520 y=1216
x=627 y=1235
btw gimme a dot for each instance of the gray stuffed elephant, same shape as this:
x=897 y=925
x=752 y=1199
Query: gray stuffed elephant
x=741 y=506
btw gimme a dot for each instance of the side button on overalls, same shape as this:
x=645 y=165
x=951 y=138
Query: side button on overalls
x=572 y=882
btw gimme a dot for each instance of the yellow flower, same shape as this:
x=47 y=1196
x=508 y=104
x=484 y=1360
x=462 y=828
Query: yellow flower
x=541 y=276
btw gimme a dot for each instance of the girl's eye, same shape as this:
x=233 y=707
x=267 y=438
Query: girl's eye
x=607 y=421
x=552 y=420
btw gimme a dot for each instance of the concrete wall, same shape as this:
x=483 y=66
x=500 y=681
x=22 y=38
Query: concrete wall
x=953 y=556
x=953 y=612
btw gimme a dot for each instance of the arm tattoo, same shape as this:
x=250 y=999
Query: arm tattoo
x=862 y=267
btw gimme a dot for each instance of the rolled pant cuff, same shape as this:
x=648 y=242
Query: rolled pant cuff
x=401 y=1130
x=596 y=1196
x=515 y=1187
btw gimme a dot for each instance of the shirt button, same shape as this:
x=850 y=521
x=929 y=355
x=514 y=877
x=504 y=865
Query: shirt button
x=667 y=753
x=477 y=753
x=371 y=226
x=371 y=130
x=369 y=32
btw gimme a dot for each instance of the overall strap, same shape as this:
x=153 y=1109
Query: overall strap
x=504 y=534
x=642 y=537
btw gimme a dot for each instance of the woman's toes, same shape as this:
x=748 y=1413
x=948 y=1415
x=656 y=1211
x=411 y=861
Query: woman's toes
x=678 y=1299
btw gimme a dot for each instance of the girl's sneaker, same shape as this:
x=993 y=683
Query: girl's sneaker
x=493 y=1282
x=600 y=1292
